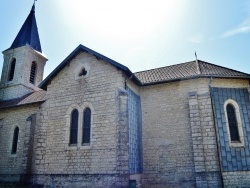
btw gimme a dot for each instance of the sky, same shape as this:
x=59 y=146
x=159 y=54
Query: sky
x=139 y=34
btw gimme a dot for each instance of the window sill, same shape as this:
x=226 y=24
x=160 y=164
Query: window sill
x=86 y=146
x=76 y=147
x=237 y=144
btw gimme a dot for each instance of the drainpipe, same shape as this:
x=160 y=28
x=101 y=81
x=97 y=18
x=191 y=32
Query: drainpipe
x=126 y=80
x=216 y=132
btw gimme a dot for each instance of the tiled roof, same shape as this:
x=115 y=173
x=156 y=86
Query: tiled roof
x=187 y=70
x=35 y=97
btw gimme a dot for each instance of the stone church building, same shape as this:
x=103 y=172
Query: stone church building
x=94 y=123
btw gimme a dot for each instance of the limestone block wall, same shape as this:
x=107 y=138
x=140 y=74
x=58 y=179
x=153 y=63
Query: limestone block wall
x=170 y=142
x=100 y=90
x=206 y=158
x=16 y=167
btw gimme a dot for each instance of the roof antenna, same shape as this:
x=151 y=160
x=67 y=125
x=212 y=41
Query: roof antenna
x=197 y=64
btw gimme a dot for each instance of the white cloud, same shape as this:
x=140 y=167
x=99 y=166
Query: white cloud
x=243 y=28
x=239 y=30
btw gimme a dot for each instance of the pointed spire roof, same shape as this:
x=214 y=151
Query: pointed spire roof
x=28 y=33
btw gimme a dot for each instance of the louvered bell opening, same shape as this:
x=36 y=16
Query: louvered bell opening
x=12 y=70
x=32 y=73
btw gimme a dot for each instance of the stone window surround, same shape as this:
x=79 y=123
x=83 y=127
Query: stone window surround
x=80 y=109
x=238 y=117
x=79 y=69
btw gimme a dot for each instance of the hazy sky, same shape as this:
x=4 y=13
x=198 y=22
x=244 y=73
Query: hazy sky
x=138 y=34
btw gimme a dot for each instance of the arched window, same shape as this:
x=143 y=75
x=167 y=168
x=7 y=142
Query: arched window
x=15 y=140
x=12 y=69
x=232 y=123
x=86 y=126
x=74 y=127
x=33 y=72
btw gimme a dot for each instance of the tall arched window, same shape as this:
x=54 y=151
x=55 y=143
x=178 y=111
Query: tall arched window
x=86 y=126
x=74 y=127
x=232 y=122
x=33 y=72
x=15 y=140
x=12 y=69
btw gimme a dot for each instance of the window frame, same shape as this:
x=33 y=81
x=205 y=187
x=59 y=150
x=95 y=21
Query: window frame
x=235 y=105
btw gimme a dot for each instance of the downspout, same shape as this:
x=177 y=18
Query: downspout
x=216 y=132
x=126 y=80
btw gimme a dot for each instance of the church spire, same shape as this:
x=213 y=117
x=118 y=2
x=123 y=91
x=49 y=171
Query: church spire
x=28 y=33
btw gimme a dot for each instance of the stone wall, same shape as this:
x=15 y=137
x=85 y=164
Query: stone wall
x=179 y=143
x=17 y=167
x=100 y=90
x=20 y=84
x=206 y=158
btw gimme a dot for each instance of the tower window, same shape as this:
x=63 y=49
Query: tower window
x=74 y=127
x=33 y=72
x=12 y=70
x=232 y=122
x=15 y=140
x=86 y=126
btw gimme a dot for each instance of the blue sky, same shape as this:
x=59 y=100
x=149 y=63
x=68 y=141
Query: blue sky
x=138 y=34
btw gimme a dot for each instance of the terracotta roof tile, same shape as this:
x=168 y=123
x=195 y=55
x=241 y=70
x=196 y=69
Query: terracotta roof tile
x=187 y=70
x=35 y=97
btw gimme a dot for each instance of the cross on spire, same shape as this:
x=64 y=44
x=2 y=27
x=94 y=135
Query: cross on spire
x=35 y=2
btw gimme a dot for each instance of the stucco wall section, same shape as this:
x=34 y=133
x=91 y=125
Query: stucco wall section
x=229 y=83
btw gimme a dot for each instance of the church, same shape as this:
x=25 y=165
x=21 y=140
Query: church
x=93 y=123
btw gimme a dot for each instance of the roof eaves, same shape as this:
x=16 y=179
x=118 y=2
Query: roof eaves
x=194 y=77
x=73 y=54
x=18 y=105
x=200 y=61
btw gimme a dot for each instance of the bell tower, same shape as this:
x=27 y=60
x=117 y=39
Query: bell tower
x=23 y=62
